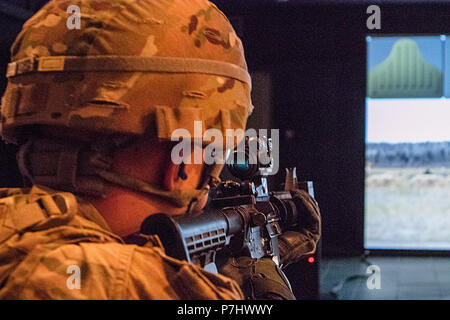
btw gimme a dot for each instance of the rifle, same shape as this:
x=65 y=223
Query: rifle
x=244 y=218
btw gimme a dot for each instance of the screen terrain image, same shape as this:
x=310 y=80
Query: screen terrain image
x=407 y=177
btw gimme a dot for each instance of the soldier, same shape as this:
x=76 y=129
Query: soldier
x=93 y=110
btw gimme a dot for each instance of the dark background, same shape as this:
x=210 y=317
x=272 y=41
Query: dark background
x=315 y=54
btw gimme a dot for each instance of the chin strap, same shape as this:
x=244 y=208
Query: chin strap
x=88 y=171
x=179 y=198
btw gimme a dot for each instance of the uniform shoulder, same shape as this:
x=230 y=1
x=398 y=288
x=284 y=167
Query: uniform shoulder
x=39 y=208
x=8 y=192
x=26 y=192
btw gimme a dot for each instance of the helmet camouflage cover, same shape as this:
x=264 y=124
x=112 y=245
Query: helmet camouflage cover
x=134 y=67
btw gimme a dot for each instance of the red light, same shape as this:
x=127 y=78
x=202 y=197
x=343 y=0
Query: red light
x=311 y=259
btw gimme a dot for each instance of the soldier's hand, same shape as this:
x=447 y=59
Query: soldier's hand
x=259 y=279
x=302 y=240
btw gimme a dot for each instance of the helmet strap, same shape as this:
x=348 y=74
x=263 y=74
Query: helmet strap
x=87 y=171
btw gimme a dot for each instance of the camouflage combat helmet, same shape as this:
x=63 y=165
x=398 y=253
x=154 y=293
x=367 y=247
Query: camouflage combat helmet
x=134 y=67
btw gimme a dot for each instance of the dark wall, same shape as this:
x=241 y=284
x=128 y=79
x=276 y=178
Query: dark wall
x=317 y=56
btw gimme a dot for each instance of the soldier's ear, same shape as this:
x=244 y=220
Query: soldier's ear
x=183 y=176
x=186 y=175
x=171 y=176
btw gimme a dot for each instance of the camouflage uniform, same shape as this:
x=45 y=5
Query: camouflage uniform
x=43 y=233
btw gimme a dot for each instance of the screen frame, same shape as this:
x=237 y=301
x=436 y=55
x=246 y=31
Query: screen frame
x=391 y=251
